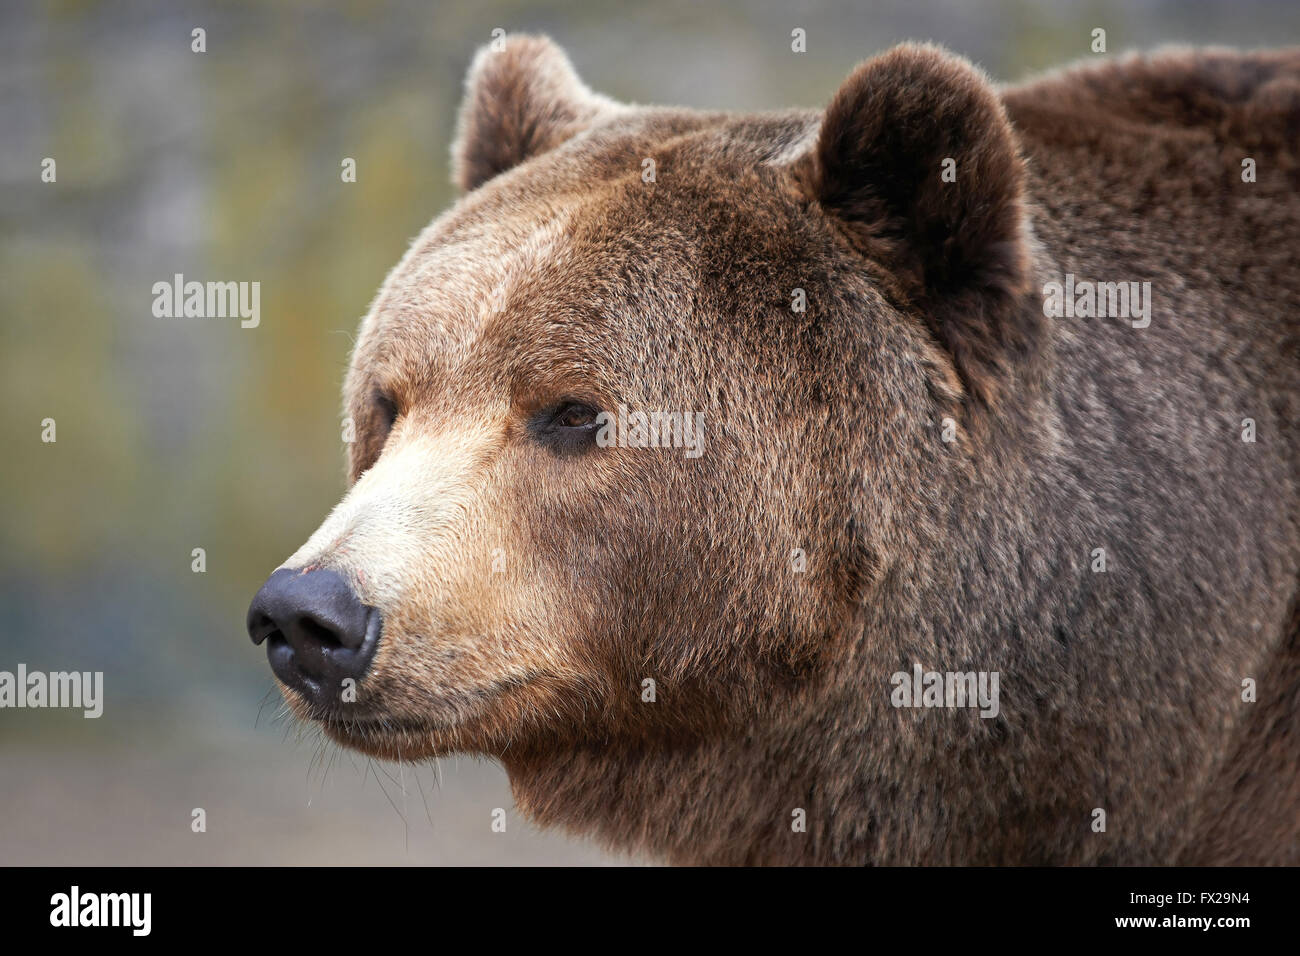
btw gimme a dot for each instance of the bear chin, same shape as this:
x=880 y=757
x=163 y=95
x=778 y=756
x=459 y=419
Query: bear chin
x=466 y=724
x=399 y=742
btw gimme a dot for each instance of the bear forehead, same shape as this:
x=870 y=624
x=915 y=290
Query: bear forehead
x=576 y=251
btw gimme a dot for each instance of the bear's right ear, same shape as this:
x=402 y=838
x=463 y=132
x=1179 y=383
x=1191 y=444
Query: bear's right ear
x=521 y=99
x=918 y=164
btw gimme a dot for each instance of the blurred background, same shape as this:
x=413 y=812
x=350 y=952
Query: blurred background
x=176 y=434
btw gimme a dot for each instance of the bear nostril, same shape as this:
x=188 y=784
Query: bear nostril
x=313 y=631
x=260 y=627
x=317 y=631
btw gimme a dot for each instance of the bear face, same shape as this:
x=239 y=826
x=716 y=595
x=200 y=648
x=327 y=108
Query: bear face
x=858 y=452
x=530 y=579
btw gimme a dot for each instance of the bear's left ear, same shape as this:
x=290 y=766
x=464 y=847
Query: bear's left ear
x=918 y=164
x=521 y=100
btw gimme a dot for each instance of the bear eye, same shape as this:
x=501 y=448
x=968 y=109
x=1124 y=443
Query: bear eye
x=575 y=415
x=387 y=409
x=568 y=426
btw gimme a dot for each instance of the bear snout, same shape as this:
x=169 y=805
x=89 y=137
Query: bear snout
x=318 y=634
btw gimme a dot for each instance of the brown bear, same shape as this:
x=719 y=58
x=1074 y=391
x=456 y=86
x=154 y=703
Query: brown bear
x=910 y=482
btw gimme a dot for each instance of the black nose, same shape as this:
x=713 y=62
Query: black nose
x=317 y=632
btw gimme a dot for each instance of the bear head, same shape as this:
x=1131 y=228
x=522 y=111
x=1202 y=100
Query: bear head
x=644 y=421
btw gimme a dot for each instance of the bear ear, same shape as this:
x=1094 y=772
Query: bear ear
x=522 y=98
x=917 y=162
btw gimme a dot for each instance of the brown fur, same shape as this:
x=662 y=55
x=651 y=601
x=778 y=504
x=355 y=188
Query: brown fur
x=1119 y=690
